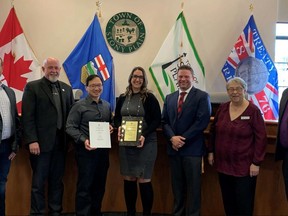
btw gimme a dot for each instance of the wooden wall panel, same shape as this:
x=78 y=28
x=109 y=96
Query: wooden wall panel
x=270 y=195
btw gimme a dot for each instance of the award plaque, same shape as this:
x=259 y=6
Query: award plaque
x=131 y=129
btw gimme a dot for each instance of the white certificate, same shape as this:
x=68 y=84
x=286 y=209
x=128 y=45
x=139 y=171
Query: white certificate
x=99 y=135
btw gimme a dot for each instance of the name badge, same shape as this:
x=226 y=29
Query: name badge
x=245 y=117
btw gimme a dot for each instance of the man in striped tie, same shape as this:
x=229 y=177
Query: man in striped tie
x=185 y=116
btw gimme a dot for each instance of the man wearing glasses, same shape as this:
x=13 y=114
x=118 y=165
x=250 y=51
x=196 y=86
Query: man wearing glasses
x=92 y=162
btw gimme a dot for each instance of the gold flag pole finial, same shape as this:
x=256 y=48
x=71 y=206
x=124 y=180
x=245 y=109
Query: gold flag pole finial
x=251 y=7
x=98 y=5
x=181 y=42
x=12 y=3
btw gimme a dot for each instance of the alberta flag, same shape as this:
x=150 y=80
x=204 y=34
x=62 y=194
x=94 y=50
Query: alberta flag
x=250 y=60
x=91 y=56
x=177 y=49
x=19 y=62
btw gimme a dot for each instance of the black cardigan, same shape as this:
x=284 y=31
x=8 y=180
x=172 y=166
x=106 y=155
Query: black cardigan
x=152 y=113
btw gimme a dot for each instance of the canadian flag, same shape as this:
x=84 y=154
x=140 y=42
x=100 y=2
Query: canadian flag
x=19 y=62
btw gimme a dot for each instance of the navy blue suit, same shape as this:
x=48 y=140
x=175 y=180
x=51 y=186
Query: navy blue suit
x=191 y=123
x=186 y=162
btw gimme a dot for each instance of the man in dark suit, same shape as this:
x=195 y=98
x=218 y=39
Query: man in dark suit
x=9 y=135
x=185 y=116
x=282 y=138
x=45 y=106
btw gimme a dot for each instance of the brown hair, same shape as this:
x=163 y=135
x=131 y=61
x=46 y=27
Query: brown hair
x=143 y=91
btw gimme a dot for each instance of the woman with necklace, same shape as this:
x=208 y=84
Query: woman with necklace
x=137 y=163
x=238 y=144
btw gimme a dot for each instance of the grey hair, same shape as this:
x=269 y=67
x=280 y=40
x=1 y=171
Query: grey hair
x=237 y=80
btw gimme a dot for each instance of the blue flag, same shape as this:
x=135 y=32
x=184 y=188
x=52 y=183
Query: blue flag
x=250 y=60
x=91 y=56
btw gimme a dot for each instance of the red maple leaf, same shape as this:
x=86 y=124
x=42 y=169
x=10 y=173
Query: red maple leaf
x=13 y=71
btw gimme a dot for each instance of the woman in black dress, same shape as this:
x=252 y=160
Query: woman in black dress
x=137 y=163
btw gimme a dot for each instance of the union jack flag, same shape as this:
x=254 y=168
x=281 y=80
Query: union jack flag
x=261 y=76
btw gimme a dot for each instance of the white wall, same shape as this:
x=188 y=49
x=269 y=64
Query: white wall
x=283 y=11
x=54 y=27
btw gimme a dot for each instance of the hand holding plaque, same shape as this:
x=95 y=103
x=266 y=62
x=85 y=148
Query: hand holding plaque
x=131 y=129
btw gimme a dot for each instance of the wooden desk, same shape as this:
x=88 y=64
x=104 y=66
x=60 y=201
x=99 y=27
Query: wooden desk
x=270 y=195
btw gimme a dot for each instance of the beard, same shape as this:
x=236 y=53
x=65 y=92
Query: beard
x=52 y=78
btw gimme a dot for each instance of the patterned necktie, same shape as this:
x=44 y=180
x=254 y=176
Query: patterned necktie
x=180 y=102
x=57 y=100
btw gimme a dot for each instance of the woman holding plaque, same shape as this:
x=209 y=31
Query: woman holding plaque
x=137 y=162
x=238 y=144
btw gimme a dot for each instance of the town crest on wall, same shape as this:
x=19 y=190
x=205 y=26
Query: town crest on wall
x=125 y=32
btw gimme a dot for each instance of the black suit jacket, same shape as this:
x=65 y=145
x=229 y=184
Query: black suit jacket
x=39 y=113
x=15 y=138
x=279 y=154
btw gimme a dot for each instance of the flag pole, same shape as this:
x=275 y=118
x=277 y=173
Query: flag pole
x=181 y=44
x=12 y=3
x=98 y=10
x=181 y=47
x=251 y=7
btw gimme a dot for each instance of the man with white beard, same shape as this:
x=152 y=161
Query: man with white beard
x=45 y=106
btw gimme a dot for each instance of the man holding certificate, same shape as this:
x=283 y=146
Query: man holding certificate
x=137 y=117
x=88 y=125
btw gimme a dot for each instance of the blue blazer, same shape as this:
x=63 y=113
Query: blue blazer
x=191 y=123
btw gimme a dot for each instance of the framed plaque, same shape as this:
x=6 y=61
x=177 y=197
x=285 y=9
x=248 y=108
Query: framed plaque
x=131 y=129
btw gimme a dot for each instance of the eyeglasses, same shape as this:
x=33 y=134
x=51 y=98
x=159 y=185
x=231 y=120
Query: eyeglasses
x=94 y=86
x=237 y=89
x=139 y=77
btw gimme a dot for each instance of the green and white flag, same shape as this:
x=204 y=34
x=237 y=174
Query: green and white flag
x=177 y=49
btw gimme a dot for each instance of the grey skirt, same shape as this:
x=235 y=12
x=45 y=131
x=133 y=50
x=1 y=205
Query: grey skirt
x=139 y=162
